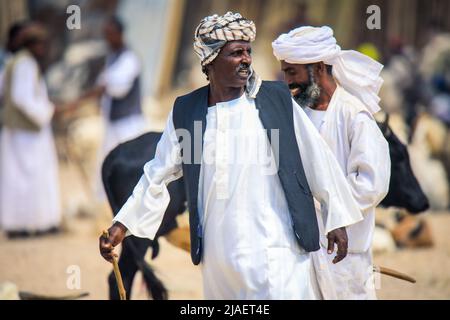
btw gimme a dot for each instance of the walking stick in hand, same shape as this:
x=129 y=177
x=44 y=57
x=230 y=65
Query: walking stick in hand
x=122 y=293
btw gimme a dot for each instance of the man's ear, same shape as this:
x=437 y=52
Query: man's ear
x=207 y=71
x=321 y=68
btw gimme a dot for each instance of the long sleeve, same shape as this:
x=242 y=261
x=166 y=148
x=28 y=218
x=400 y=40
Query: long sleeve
x=369 y=164
x=144 y=210
x=325 y=178
x=118 y=78
x=30 y=93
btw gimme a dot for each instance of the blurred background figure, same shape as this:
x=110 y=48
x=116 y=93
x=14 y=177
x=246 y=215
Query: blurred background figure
x=13 y=44
x=29 y=189
x=119 y=89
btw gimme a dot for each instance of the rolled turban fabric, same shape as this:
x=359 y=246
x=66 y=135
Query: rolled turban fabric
x=354 y=71
x=215 y=31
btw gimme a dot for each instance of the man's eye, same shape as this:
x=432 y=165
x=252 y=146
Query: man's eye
x=290 y=73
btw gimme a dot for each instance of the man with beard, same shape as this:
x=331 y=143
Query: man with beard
x=253 y=166
x=29 y=183
x=338 y=91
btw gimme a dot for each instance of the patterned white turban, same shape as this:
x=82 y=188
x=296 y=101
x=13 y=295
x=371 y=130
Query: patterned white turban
x=215 y=31
x=354 y=71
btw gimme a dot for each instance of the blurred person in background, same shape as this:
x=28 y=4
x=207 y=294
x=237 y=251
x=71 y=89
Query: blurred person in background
x=119 y=90
x=13 y=44
x=402 y=65
x=29 y=186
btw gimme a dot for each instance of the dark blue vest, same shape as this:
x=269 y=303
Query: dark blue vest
x=275 y=111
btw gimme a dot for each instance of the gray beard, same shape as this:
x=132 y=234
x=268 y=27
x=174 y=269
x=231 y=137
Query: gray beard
x=309 y=97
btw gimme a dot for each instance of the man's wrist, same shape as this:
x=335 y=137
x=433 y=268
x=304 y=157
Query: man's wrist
x=120 y=226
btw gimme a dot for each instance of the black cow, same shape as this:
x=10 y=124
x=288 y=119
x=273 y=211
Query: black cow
x=121 y=171
x=404 y=189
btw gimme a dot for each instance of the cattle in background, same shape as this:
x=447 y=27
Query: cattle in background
x=404 y=189
x=121 y=171
x=412 y=232
x=396 y=228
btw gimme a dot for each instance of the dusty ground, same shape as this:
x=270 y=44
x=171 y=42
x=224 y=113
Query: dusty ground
x=41 y=265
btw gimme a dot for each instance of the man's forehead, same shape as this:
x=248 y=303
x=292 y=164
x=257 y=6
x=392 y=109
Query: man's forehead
x=237 y=43
x=285 y=66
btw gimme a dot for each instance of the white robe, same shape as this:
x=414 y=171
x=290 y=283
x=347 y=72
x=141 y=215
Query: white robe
x=118 y=79
x=6 y=58
x=250 y=251
x=29 y=185
x=363 y=155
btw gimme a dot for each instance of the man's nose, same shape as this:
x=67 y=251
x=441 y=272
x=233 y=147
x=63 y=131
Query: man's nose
x=288 y=79
x=246 y=58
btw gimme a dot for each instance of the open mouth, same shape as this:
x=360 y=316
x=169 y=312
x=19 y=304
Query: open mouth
x=295 y=91
x=243 y=72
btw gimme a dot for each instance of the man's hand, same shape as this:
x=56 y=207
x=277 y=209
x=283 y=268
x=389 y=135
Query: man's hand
x=338 y=236
x=116 y=235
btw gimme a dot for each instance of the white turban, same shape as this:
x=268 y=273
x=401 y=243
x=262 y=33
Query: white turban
x=354 y=71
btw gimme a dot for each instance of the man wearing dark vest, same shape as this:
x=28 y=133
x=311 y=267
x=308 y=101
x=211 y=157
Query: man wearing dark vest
x=252 y=163
x=119 y=90
x=29 y=182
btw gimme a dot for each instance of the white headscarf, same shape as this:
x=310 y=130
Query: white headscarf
x=354 y=71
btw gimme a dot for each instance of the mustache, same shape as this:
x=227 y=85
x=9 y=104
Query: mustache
x=301 y=86
x=243 y=67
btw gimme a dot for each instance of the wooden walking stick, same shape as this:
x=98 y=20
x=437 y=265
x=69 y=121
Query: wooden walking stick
x=122 y=293
x=394 y=273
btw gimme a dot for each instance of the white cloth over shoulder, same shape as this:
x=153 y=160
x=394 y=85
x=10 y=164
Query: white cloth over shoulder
x=29 y=191
x=355 y=72
x=250 y=250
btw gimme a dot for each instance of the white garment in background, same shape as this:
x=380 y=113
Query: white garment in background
x=249 y=248
x=6 y=58
x=29 y=190
x=363 y=155
x=118 y=80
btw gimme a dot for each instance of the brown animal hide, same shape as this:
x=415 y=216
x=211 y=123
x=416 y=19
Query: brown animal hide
x=412 y=232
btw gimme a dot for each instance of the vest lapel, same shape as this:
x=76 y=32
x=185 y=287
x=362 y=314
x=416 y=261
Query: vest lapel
x=274 y=118
x=199 y=110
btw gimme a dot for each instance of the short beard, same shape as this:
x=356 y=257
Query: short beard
x=310 y=93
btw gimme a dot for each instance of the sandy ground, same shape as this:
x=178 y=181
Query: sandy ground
x=41 y=265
